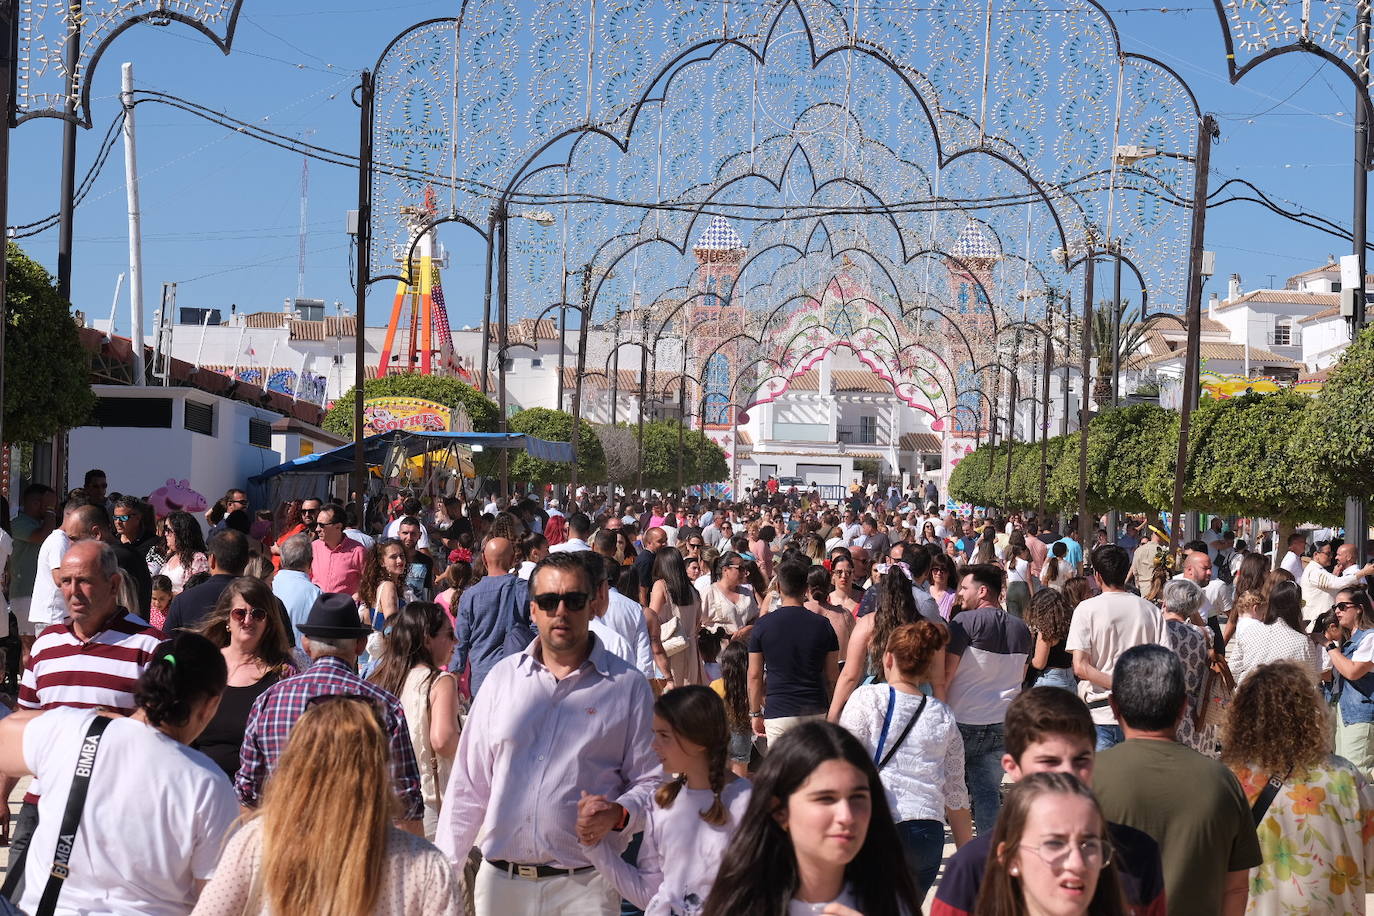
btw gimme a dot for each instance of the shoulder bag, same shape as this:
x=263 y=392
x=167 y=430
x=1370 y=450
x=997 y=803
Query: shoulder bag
x=1266 y=796
x=879 y=758
x=1217 y=690
x=71 y=817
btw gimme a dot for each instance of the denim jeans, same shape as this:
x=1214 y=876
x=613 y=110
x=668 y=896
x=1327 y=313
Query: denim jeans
x=1109 y=736
x=923 y=847
x=1058 y=677
x=983 y=772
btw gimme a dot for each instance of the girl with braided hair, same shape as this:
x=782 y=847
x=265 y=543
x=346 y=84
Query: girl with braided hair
x=694 y=813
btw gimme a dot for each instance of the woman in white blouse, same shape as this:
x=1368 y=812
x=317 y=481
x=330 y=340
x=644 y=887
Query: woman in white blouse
x=727 y=602
x=1278 y=637
x=916 y=745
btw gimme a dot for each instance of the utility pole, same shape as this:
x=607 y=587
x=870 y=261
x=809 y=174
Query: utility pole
x=1356 y=524
x=9 y=44
x=71 y=58
x=364 y=239
x=1193 y=358
x=135 y=228
x=1085 y=524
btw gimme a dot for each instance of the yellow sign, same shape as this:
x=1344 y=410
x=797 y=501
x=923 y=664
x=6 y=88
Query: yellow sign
x=384 y=415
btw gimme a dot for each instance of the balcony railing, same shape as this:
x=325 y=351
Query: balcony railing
x=858 y=435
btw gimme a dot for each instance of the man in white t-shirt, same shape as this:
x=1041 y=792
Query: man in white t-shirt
x=1292 y=560
x=850 y=529
x=1102 y=629
x=1216 y=594
x=79 y=522
x=1213 y=532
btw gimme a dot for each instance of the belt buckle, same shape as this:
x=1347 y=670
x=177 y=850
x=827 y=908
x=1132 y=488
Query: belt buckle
x=527 y=871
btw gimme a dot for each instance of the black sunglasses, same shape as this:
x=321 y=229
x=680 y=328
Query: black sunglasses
x=548 y=602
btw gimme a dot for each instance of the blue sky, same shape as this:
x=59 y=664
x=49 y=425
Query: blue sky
x=221 y=212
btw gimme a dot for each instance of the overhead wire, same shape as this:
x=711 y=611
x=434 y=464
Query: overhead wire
x=1087 y=184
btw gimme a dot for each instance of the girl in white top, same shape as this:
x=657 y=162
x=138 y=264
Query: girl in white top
x=1278 y=637
x=922 y=767
x=420 y=639
x=817 y=836
x=688 y=827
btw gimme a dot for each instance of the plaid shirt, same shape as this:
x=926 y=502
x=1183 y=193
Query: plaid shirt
x=276 y=711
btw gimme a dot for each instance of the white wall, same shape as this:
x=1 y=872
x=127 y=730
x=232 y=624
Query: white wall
x=139 y=461
x=1320 y=340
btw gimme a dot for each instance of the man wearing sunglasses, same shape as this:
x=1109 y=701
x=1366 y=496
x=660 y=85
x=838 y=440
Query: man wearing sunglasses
x=561 y=722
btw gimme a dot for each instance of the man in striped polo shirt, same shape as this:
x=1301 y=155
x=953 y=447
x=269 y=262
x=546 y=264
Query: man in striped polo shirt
x=92 y=659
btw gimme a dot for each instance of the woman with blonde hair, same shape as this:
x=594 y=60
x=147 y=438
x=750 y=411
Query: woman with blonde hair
x=331 y=790
x=1314 y=827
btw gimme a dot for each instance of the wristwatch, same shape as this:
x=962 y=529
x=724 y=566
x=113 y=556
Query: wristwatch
x=756 y=715
x=1333 y=647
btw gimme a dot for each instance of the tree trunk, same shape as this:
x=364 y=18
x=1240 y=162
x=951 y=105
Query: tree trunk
x=1281 y=534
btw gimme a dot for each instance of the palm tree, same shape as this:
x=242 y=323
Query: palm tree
x=1132 y=340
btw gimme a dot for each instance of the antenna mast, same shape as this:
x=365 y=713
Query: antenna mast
x=305 y=203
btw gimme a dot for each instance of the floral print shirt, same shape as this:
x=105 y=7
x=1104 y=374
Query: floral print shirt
x=1318 y=841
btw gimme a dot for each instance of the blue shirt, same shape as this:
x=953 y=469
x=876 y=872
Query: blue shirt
x=1075 y=550
x=296 y=593
x=486 y=613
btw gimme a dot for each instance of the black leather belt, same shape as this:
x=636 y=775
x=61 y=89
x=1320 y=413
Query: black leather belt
x=534 y=872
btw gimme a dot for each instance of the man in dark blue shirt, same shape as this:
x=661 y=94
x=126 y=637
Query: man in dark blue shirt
x=489 y=611
x=794 y=660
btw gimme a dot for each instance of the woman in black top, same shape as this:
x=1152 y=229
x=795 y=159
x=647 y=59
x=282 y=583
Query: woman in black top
x=1048 y=616
x=248 y=629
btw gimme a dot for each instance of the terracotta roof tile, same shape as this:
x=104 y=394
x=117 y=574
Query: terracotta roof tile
x=1332 y=312
x=1283 y=297
x=919 y=442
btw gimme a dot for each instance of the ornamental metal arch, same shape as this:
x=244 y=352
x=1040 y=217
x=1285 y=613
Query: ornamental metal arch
x=43 y=79
x=933 y=147
x=593 y=65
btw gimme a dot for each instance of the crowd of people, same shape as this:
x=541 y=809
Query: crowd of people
x=586 y=705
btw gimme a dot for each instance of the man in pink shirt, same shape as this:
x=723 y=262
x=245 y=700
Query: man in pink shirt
x=338 y=560
x=559 y=720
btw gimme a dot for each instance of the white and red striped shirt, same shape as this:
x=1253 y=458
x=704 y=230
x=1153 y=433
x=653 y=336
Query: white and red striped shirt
x=100 y=672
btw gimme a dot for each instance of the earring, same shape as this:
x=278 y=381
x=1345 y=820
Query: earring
x=1015 y=871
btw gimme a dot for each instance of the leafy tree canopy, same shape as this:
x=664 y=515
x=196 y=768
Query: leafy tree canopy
x=556 y=426
x=47 y=372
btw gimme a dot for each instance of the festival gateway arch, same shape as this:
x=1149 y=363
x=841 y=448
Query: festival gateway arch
x=772 y=185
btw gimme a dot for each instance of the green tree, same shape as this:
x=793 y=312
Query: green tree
x=702 y=460
x=1339 y=430
x=47 y=372
x=706 y=460
x=1245 y=459
x=968 y=482
x=556 y=426
x=441 y=389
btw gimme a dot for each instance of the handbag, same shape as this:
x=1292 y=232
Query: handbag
x=879 y=758
x=71 y=817
x=1217 y=690
x=670 y=635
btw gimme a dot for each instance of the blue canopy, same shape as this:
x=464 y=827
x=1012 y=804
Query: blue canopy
x=378 y=447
